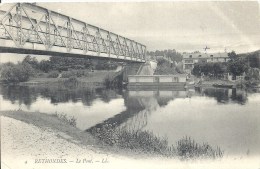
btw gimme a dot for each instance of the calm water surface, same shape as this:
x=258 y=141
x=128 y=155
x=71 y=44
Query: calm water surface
x=229 y=118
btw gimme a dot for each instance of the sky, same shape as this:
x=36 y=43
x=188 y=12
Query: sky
x=182 y=25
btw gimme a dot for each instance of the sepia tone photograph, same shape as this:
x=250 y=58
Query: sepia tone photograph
x=122 y=84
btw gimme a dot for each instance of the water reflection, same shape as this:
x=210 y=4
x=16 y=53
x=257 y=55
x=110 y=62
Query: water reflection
x=56 y=94
x=225 y=95
x=227 y=118
x=88 y=106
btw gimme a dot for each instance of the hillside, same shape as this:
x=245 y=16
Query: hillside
x=253 y=58
x=164 y=67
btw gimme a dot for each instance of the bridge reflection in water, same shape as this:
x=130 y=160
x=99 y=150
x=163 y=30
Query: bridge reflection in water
x=141 y=104
x=201 y=113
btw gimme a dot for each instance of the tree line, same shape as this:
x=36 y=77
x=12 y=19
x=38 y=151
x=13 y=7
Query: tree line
x=169 y=54
x=237 y=66
x=30 y=67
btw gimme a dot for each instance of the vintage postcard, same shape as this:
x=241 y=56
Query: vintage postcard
x=144 y=84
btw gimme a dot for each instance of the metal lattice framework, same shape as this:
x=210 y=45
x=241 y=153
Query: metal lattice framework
x=27 y=26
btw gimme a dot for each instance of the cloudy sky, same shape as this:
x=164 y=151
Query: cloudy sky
x=184 y=26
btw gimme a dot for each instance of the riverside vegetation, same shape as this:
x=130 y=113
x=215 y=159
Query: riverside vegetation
x=54 y=68
x=148 y=142
x=238 y=65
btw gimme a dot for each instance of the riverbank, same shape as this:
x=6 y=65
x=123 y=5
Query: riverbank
x=27 y=137
x=94 y=79
x=63 y=130
x=208 y=83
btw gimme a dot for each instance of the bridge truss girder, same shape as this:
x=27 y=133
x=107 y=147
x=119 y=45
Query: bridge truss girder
x=34 y=27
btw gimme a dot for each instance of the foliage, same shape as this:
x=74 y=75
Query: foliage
x=209 y=69
x=148 y=142
x=237 y=65
x=59 y=63
x=232 y=56
x=188 y=149
x=53 y=74
x=105 y=65
x=67 y=119
x=32 y=61
x=164 y=67
x=253 y=59
x=170 y=53
x=253 y=77
x=67 y=74
x=253 y=73
x=71 y=82
x=45 y=66
x=113 y=81
x=21 y=72
x=77 y=73
x=65 y=63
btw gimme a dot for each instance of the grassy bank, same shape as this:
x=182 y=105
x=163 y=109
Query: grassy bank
x=94 y=79
x=117 y=141
x=66 y=125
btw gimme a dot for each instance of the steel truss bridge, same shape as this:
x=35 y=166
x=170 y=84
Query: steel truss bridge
x=31 y=29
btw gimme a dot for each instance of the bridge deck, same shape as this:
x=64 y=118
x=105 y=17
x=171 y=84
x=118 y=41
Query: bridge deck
x=29 y=28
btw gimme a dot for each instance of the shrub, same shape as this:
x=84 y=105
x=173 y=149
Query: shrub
x=67 y=119
x=67 y=74
x=71 y=82
x=189 y=149
x=148 y=142
x=77 y=73
x=21 y=72
x=53 y=74
x=164 y=67
x=113 y=81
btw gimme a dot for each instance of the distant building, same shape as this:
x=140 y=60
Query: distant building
x=189 y=59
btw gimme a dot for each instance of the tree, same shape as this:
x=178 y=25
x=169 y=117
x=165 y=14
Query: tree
x=254 y=59
x=11 y=73
x=32 y=61
x=45 y=66
x=64 y=63
x=237 y=65
x=209 y=69
x=171 y=54
x=232 y=56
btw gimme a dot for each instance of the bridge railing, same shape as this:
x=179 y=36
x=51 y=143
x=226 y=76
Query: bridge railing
x=24 y=23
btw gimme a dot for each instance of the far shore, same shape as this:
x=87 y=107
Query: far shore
x=94 y=79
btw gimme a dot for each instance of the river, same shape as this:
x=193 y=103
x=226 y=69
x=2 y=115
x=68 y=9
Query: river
x=228 y=118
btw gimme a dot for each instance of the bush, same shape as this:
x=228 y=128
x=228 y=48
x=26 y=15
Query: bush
x=21 y=72
x=148 y=142
x=113 y=81
x=209 y=69
x=189 y=149
x=72 y=73
x=71 y=82
x=53 y=74
x=67 y=74
x=69 y=120
x=164 y=67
